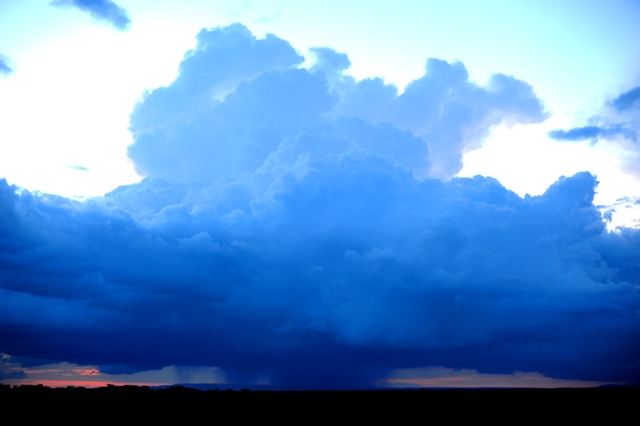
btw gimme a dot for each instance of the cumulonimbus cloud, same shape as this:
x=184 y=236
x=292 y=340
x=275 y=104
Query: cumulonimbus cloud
x=288 y=224
x=100 y=10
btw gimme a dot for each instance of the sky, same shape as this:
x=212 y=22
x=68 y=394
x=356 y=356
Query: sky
x=320 y=195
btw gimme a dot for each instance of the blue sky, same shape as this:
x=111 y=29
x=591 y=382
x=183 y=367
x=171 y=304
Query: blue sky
x=320 y=195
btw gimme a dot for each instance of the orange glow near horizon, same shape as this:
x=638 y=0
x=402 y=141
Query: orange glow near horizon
x=441 y=377
x=65 y=374
x=81 y=383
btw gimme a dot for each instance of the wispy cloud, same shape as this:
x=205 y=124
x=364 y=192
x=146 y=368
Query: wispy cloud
x=628 y=100
x=593 y=133
x=618 y=124
x=79 y=168
x=101 y=10
x=5 y=67
x=269 y=19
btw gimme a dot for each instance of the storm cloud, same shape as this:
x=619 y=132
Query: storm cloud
x=289 y=222
x=100 y=10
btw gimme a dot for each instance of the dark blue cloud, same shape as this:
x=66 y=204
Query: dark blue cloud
x=101 y=10
x=285 y=227
x=344 y=258
x=592 y=133
x=627 y=100
x=577 y=133
x=5 y=67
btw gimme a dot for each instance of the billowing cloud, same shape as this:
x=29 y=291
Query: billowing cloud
x=284 y=229
x=236 y=97
x=5 y=67
x=451 y=113
x=454 y=115
x=254 y=94
x=100 y=10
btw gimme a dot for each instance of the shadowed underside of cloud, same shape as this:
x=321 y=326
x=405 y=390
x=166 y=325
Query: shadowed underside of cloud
x=288 y=224
x=5 y=68
x=100 y=10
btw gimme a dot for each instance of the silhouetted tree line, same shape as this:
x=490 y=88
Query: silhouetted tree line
x=477 y=404
x=109 y=390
